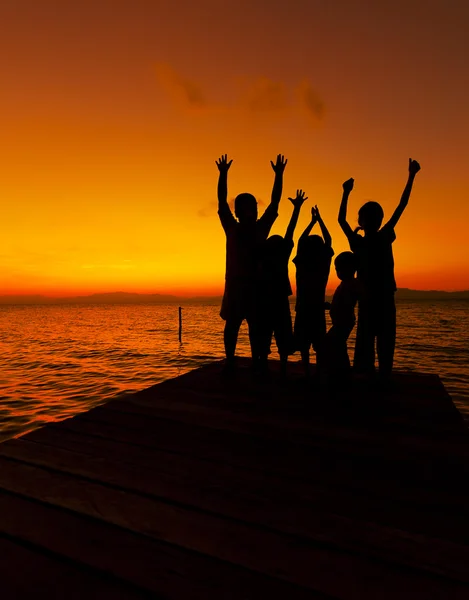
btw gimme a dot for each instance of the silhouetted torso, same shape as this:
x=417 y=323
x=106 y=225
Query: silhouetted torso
x=274 y=279
x=311 y=280
x=243 y=244
x=375 y=261
x=345 y=297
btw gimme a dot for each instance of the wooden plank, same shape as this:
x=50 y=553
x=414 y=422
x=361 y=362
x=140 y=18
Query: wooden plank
x=284 y=456
x=346 y=425
x=244 y=489
x=207 y=387
x=154 y=566
x=300 y=428
x=300 y=423
x=28 y=573
x=181 y=438
x=274 y=507
x=212 y=481
x=373 y=444
x=277 y=556
x=249 y=395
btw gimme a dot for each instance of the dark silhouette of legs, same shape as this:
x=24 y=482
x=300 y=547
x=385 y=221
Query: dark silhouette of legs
x=305 y=361
x=318 y=338
x=364 y=357
x=283 y=332
x=255 y=339
x=386 y=336
x=230 y=336
x=336 y=349
x=336 y=357
x=376 y=321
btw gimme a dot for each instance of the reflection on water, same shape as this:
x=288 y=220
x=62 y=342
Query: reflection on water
x=57 y=361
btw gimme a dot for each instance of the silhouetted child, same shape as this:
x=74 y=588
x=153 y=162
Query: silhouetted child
x=244 y=240
x=275 y=289
x=313 y=263
x=342 y=313
x=375 y=269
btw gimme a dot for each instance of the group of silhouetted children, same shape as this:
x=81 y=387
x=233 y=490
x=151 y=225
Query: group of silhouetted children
x=257 y=286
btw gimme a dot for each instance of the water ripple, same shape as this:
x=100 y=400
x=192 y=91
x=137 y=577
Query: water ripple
x=57 y=361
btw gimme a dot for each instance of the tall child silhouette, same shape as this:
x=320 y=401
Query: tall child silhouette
x=375 y=270
x=244 y=240
x=275 y=289
x=313 y=264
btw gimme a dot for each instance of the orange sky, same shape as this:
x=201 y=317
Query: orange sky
x=113 y=113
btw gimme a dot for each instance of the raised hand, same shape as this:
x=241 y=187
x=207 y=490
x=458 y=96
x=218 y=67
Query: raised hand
x=348 y=185
x=279 y=165
x=314 y=214
x=318 y=216
x=299 y=199
x=414 y=167
x=223 y=164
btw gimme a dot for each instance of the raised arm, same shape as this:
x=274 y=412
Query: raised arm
x=297 y=204
x=308 y=229
x=414 y=168
x=325 y=233
x=347 y=186
x=223 y=167
x=279 y=168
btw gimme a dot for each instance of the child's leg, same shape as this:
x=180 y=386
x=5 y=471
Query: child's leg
x=305 y=361
x=230 y=336
x=256 y=337
x=283 y=332
x=261 y=339
x=302 y=338
x=386 y=336
x=330 y=351
x=319 y=341
x=364 y=358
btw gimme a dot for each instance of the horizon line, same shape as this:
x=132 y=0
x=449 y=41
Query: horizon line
x=55 y=297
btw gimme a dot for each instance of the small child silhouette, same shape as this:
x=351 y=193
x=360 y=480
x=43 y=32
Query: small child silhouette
x=244 y=240
x=375 y=268
x=342 y=313
x=275 y=288
x=313 y=264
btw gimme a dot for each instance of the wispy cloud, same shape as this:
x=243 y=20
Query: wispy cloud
x=310 y=99
x=254 y=96
x=266 y=95
x=184 y=91
x=208 y=210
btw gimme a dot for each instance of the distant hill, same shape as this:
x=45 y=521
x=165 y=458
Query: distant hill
x=132 y=298
x=407 y=294
x=107 y=298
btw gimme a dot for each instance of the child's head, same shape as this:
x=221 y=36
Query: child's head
x=312 y=245
x=346 y=265
x=273 y=248
x=245 y=206
x=370 y=217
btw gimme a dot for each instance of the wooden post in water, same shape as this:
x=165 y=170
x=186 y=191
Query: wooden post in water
x=180 y=324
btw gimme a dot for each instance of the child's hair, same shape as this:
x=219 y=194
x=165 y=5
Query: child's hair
x=370 y=216
x=346 y=263
x=310 y=246
x=245 y=204
x=273 y=248
x=273 y=243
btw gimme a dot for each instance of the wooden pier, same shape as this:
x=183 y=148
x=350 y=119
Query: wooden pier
x=207 y=487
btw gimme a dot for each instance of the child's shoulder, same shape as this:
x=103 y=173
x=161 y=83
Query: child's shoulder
x=387 y=233
x=327 y=253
